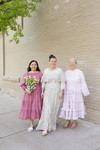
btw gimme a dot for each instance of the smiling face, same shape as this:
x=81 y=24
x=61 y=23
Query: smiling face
x=52 y=63
x=33 y=66
x=72 y=64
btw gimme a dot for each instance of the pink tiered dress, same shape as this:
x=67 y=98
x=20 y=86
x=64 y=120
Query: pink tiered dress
x=31 y=105
x=73 y=103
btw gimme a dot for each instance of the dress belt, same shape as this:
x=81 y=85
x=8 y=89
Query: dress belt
x=53 y=82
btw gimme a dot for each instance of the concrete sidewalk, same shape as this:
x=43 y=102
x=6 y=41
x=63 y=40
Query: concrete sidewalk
x=14 y=135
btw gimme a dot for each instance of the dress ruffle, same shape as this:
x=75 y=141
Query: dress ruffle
x=73 y=111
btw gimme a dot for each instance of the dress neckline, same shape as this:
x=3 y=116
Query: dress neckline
x=33 y=72
x=52 y=70
x=73 y=70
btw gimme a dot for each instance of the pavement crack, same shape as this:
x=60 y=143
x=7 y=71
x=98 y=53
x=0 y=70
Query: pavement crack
x=7 y=112
x=15 y=133
x=98 y=148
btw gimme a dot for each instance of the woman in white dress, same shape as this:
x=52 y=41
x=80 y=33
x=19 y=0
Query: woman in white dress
x=75 y=89
x=53 y=84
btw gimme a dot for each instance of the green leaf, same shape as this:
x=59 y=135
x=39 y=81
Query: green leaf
x=9 y=13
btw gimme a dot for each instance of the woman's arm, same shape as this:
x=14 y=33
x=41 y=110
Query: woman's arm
x=43 y=84
x=62 y=79
x=23 y=83
x=84 y=87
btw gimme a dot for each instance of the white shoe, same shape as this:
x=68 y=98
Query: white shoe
x=30 y=129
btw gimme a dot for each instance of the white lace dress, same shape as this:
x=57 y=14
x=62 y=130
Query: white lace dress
x=75 y=88
x=52 y=82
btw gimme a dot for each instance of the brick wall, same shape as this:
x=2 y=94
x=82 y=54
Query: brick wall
x=65 y=28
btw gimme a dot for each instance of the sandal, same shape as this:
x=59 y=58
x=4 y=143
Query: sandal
x=67 y=124
x=54 y=129
x=74 y=125
x=44 y=133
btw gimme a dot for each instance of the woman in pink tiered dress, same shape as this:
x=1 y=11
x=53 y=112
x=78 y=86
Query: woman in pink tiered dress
x=75 y=89
x=31 y=105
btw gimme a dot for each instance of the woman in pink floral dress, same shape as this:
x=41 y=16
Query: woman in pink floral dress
x=31 y=105
x=76 y=88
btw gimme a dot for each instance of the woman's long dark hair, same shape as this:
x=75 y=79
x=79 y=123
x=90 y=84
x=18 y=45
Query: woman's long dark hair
x=37 y=69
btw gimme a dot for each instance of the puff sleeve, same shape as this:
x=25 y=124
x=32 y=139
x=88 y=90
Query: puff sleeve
x=23 y=82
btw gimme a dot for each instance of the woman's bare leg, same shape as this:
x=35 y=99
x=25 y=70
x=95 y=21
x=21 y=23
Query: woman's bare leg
x=31 y=123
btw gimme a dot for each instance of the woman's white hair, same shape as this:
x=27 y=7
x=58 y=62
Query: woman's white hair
x=73 y=59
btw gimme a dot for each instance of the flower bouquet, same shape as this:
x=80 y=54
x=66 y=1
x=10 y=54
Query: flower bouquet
x=31 y=83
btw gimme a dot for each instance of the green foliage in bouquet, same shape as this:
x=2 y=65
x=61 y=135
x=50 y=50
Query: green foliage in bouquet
x=10 y=10
x=31 y=83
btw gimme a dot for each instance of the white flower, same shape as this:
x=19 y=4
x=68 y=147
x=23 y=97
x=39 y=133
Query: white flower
x=29 y=76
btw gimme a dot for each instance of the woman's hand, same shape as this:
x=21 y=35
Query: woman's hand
x=61 y=94
x=85 y=97
x=42 y=95
x=28 y=91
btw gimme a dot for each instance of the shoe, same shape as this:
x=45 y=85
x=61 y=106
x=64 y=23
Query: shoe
x=44 y=133
x=54 y=129
x=74 y=125
x=30 y=129
x=66 y=125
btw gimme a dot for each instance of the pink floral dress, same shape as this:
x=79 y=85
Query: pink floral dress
x=73 y=103
x=31 y=105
